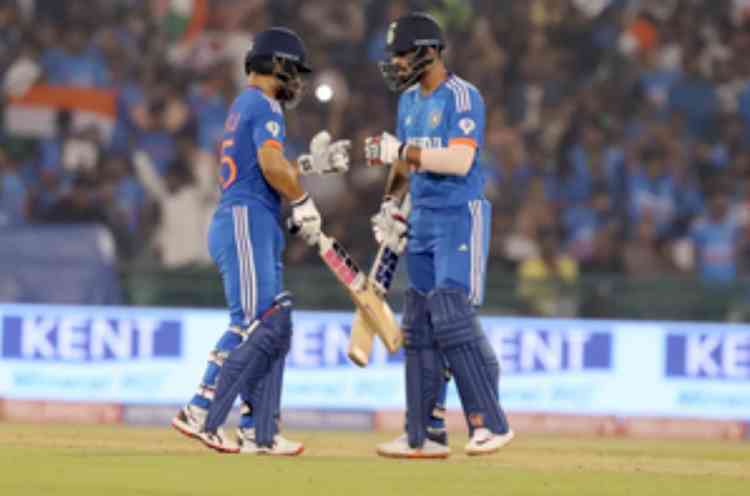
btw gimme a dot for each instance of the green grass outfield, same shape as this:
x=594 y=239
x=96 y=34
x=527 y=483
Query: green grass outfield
x=113 y=460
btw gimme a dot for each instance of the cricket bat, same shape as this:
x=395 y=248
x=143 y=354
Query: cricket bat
x=380 y=279
x=372 y=310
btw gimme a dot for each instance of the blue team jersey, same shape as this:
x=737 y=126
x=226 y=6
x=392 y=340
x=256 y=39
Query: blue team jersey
x=453 y=113
x=715 y=246
x=254 y=120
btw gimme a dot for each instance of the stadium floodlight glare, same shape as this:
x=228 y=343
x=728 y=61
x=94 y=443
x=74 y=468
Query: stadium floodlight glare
x=324 y=92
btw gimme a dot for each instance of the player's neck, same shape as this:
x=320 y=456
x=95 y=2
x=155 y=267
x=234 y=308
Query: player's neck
x=433 y=78
x=266 y=84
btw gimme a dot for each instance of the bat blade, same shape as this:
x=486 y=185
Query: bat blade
x=361 y=340
x=375 y=315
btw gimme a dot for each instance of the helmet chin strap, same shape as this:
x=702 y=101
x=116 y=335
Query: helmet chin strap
x=418 y=64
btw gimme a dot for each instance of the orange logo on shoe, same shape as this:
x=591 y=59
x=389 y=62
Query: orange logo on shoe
x=476 y=420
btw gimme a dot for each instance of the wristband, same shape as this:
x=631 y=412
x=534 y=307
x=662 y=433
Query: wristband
x=300 y=201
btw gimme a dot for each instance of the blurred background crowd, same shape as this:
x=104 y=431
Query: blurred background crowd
x=618 y=135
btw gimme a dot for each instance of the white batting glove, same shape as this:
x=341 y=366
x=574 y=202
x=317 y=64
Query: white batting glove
x=390 y=226
x=383 y=149
x=306 y=220
x=325 y=157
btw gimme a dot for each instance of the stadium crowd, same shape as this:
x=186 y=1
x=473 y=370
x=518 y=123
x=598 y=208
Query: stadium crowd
x=618 y=132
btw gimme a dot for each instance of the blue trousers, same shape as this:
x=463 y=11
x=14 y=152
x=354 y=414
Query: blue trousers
x=246 y=243
x=448 y=248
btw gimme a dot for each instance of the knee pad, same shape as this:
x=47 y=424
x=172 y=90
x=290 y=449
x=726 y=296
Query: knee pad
x=454 y=319
x=272 y=334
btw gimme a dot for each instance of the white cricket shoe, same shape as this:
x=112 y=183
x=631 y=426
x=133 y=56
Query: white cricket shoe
x=485 y=442
x=399 y=448
x=281 y=445
x=189 y=420
x=218 y=441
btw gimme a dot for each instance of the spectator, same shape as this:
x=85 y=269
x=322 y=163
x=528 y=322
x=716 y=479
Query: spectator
x=590 y=232
x=651 y=191
x=75 y=63
x=546 y=282
x=694 y=96
x=155 y=139
x=641 y=255
x=185 y=212
x=715 y=239
x=13 y=194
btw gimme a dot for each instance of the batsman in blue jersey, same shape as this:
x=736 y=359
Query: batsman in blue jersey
x=246 y=242
x=435 y=156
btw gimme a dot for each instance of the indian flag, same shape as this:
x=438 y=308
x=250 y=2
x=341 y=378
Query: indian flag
x=34 y=113
x=182 y=19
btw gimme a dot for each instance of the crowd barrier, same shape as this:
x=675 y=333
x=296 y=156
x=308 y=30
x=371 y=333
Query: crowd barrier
x=149 y=359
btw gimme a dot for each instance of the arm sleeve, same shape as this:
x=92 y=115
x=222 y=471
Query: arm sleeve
x=455 y=160
x=268 y=127
x=466 y=120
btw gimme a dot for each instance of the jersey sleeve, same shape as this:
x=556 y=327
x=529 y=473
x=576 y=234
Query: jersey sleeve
x=268 y=126
x=467 y=116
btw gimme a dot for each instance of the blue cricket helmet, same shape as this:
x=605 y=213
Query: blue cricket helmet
x=280 y=52
x=412 y=31
x=281 y=43
x=410 y=36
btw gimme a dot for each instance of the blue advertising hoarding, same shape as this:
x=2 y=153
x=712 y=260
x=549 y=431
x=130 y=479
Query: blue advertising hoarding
x=156 y=356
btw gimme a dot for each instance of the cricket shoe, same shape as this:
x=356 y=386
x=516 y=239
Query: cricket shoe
x=485 y=442
x=189 y=420
x=281 y=445
x=399 y=448
x=218 y=441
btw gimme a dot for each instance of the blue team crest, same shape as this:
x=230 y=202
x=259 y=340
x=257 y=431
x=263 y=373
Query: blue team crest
x=435 y=117
x=467 y=125
x=391 y=34
x=407 y=121
x=273 y=128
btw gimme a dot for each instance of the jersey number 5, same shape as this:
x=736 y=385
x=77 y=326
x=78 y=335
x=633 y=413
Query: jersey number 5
x=227 y=162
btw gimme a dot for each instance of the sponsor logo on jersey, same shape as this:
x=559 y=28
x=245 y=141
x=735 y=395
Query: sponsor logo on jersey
x=426 y=142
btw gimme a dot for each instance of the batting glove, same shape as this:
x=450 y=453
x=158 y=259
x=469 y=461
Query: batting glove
x=390 y=226
x=384 y=149
x=325 y=157
x=306 y=220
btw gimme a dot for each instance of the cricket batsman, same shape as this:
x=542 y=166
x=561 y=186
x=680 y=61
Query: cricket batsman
x=246 y=242
x=435 y=155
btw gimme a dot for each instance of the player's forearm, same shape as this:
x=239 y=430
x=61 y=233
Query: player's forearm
x=455 y=160
x=280 y=174
x=285 y=180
